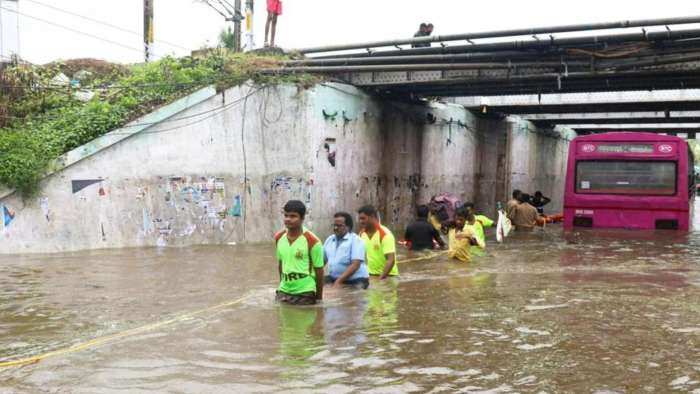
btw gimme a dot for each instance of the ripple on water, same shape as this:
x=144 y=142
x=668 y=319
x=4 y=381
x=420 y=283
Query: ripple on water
x=544 y=307
x=528 y=331
x=529 y=347
x=426 y=371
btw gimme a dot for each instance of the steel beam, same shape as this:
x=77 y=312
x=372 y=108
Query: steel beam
x=649 y=106
x=506 y=33
x=615 y=121
x=687 y=130
x=593 y=42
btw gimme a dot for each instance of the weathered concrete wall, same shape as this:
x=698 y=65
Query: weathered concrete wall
x=537 y=161
x=222 y=166
x=220 y=171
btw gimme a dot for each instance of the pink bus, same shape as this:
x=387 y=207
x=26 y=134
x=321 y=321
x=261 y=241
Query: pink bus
x=629 y=180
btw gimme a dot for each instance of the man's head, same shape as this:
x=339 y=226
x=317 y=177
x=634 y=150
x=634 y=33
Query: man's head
x=538 y=194
x=294 y=212
x=469 y=206
x=422 y=211
x=342 y=224
x=524 y=197
x=367 y=217
x=516 y=194
x=423 y=28
x=429 y=28
x=461 y=217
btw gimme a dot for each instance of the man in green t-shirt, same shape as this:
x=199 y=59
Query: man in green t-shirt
x=300 y=258
x=478 y=223
x=380 y=244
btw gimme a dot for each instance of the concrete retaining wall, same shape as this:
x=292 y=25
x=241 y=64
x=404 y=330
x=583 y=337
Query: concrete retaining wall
x=538 y=161
x=218 y=169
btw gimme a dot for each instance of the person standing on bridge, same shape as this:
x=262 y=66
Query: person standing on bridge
x=425 y=30
x=380 y=244
x=274 y=9
x=300 y=258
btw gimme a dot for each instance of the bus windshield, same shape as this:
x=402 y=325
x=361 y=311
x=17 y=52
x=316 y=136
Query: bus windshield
x=650 y=178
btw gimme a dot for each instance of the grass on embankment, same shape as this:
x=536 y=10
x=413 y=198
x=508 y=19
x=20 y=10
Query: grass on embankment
x=41 y=118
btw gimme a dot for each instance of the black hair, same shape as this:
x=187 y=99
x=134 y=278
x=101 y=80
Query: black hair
x=469 y=205
x=346 y=216
x=368 y=210
x=422 y=211
x=539 y=193
x=462 y=212
x=295 y=206
x=423 y=25
x=516 y=193
x=524 y=197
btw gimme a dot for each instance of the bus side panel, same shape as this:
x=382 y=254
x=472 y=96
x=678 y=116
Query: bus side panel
x=632 y=219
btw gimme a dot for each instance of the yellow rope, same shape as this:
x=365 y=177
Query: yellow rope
x=110 y=338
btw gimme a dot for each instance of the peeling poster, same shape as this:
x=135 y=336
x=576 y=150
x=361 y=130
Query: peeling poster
x=80 y=184
x=8 y=215
x=44 y=204
x=235 y=210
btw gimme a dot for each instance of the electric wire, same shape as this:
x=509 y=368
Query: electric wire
x=107 y=40
x=103 y=23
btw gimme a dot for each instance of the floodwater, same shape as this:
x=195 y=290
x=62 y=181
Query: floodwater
x=597 y=312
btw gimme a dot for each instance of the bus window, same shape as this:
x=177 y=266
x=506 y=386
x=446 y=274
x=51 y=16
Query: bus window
x=626 y=177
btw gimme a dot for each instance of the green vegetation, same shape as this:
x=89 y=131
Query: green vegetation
x=695 y=147
x=42 y=117
x=227 y=39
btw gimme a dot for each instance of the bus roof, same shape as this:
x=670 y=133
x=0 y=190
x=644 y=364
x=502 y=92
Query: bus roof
x=628 y=136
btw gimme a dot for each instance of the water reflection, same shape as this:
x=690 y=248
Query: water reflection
x=587 y=311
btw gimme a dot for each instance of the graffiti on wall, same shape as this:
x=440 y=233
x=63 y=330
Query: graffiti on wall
x=7 y=216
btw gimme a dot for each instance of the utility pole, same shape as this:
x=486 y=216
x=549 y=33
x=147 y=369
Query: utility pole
x=148 y=29
x=237 y=25
x=231 y=13
x=250 y=42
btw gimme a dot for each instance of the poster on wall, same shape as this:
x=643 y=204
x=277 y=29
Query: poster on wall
x=8 y=216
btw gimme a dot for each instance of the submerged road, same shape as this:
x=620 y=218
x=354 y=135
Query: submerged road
x=603 y=311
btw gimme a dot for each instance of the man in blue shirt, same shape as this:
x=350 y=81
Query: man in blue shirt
x=344 y=253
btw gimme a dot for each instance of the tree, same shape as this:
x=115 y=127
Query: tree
x=227 y=39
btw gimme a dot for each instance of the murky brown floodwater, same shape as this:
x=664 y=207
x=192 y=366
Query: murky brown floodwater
x=599 y=312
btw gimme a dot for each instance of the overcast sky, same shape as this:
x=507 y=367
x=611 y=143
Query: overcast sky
x=304 y=23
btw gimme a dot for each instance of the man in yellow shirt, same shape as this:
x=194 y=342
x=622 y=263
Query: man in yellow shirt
x=380 y=244
x=461 y=237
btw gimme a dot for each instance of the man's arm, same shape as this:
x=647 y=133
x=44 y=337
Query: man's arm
x=437 y=237
x=354 y=266
x=485 y=221
x=317 y=262
x=319 y=283
x=390 y=261
x=279 y=268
